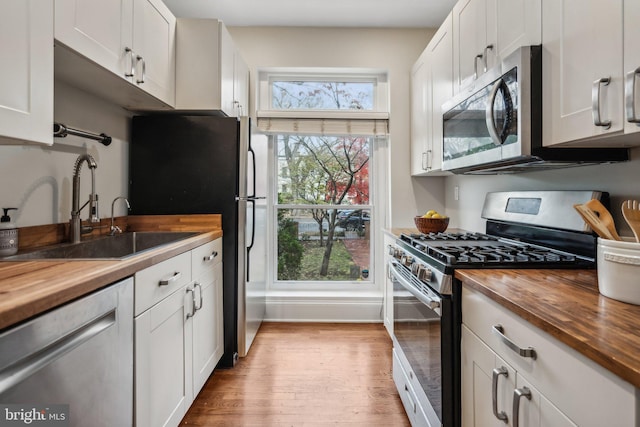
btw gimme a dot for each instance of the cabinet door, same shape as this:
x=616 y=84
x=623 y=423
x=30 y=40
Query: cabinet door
x=582 y=43
x=535 y=410
x=163 y=390
x=227 y=72
x=632 y=63
x=99 y=30
x=208 y=343
x=478 y=364
x=240 y=85
x=441 y=90
x=154 y=29
x=26 y=66
x=511 y=24
x=470 y=29
x=420 y=120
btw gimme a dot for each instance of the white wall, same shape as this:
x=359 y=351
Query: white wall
x=394 y=50
x=621 y=180
x=37 y=179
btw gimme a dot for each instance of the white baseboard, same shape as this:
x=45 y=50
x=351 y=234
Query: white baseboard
x=314 y=309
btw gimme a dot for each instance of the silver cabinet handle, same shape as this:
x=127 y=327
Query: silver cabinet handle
x=595 y=101
x=140 y=60
x=429 y=160
x=485 y=55
x=502 y=416
x=193 y=304
x=197 y=285
x=517 y=394
x=630 y=95
x=132 y=65
x=166 y=282
x=524 y=352
x=210 y=257
x=475 y=66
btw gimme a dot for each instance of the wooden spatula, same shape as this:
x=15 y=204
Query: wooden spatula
x=604 y=215
x=594 y=222
x=631 y=214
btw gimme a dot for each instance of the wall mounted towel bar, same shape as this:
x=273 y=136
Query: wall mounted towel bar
x=61 y=131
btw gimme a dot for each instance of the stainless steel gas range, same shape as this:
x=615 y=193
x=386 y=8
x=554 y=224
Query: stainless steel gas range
x=530 y=229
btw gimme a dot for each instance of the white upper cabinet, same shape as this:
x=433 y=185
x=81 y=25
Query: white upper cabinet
x=632 y=65
x=419 y=119
x=470 y=41
x=134 y=40
x=26 y=66
x=431 y=86
x=220 y=81
x=485 y=31
x=154 y=34
x=582 y=69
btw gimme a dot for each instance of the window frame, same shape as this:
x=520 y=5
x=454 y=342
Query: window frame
x=380 y=111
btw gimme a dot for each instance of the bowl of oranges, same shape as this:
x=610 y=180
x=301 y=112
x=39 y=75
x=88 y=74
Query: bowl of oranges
x=431 y=222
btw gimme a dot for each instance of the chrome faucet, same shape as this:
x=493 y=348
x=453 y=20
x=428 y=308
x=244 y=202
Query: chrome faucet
x=76 y=229
x=114 y=229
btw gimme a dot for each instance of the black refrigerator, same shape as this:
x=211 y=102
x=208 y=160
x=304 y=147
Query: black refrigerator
x=193 y=164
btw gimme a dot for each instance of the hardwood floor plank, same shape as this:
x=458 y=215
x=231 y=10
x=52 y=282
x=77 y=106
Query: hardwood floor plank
x=306 y=375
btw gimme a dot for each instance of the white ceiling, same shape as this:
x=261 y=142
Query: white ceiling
x=317 y=13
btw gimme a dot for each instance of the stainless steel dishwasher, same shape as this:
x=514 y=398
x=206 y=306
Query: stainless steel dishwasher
x=80 y=355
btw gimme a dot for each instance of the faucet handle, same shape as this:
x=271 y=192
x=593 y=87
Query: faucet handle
x=93 y=208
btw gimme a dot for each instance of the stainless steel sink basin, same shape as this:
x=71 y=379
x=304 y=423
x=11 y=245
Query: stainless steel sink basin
x=112 y=247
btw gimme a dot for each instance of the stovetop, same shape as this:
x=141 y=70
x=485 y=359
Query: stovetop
x=479 y=250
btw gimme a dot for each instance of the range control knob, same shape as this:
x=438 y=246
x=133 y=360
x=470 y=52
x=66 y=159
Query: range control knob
x=406 y=260
x=415 y=268
x=424 y=274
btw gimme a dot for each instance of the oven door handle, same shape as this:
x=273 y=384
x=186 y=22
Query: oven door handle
x=433 y=301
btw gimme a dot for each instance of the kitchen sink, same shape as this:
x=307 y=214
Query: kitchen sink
x=116 y=247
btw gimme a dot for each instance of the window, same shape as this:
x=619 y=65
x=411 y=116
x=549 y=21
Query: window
x=324 y=129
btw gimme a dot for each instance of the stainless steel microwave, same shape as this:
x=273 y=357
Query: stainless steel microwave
x=495 y=126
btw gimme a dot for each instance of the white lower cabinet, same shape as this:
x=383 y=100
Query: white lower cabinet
x=162 y=390
x=178 y=333
x=481 y=367
x=207 y=331
x=559 y=388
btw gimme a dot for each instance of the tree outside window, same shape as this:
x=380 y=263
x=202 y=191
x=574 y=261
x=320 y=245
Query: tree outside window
x=323 y=207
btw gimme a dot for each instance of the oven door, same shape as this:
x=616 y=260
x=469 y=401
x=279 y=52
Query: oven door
x=417 y=329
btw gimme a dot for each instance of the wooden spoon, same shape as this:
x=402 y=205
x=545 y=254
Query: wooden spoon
x=631 y=214
x=604 y=215
x=594 y=222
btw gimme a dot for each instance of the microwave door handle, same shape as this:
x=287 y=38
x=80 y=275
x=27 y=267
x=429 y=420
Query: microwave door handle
x=491 y=126
x=500 y=137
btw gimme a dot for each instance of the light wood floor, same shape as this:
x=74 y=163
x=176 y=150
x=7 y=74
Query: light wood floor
x=301 y=374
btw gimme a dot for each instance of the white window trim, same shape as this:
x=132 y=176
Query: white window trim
x=379 y=157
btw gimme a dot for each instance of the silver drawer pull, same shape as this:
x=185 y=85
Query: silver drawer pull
x=170 y=280
x=210 y=257
x=524 y=352
x=502 y=416
x=517 y=394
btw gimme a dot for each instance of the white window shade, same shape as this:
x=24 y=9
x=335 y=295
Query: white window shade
x=325 y=123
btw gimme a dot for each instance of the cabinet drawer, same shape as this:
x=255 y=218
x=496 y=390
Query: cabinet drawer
x=159 y=281
x=206 y=256
x=567 y=378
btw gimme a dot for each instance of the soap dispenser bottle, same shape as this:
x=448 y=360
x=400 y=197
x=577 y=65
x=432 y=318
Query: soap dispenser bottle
x=8 y=234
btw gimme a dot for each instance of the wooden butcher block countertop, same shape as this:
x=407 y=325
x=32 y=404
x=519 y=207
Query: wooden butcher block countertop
x=567 y=305
x=28 y=288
